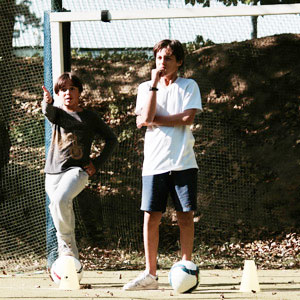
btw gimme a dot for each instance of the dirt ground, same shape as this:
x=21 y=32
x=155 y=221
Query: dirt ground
x=214 y=284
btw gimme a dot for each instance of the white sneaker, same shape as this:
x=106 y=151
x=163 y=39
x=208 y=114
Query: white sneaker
x=144 y=281
x=64 y=249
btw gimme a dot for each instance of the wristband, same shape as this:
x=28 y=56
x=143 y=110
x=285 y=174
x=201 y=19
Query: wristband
x=152 y=88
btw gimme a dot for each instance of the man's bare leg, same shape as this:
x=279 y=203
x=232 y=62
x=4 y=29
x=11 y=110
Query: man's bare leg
x=186 y=224
x=151 y=239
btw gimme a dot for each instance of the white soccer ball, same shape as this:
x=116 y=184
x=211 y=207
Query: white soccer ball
x=57 y=268
x=184 y=276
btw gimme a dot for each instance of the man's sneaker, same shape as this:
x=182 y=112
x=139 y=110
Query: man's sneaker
x=144 y=281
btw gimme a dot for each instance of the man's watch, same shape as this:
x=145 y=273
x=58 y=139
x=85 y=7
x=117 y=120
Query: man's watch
x=152 y=88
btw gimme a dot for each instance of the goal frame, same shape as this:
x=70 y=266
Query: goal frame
x=57 y=18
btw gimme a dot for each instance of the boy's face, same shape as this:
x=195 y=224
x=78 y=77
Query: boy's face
x=166 y=61
x=69 y=95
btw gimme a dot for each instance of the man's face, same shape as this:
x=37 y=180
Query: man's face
x=166 y=62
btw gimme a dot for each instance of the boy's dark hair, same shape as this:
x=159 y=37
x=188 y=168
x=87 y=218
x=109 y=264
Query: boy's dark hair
x=176 y=47
x=63 y=78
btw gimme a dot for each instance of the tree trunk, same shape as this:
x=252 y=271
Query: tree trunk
x=254 y=27
x=7 y=21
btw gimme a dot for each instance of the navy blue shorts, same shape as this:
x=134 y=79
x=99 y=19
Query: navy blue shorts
x=180 y=185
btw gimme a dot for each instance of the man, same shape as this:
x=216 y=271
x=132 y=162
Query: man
x=167 y=105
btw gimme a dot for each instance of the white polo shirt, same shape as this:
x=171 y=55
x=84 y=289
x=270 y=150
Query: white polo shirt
x=169 y=148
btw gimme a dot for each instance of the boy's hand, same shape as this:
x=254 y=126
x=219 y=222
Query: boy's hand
x=47 y=95
x=90 y=169
x=156 y=74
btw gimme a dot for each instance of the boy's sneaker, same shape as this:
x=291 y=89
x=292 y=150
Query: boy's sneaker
x=144 y=281
x=65 y=249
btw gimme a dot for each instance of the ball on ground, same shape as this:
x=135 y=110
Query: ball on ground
x=184 y=276
x=57 y=268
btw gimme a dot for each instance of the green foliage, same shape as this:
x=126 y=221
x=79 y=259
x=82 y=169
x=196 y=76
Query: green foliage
x=197 y=43
x=114 y=55
x=206 y=3
x=126 y=134
x=25 y=16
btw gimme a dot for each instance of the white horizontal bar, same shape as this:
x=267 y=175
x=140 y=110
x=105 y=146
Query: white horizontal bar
x=166 y=13
x=75 y=16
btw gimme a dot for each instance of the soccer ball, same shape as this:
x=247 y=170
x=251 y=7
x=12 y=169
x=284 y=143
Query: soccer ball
x=184 y=276
x=57 y=268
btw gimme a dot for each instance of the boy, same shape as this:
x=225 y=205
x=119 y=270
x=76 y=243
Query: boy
x=167 y=105
x=68 y=165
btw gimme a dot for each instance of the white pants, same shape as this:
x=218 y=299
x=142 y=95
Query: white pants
x=62 y=189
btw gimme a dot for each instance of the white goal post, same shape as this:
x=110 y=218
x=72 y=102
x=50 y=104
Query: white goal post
x=166 y=13
x=57 y=18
